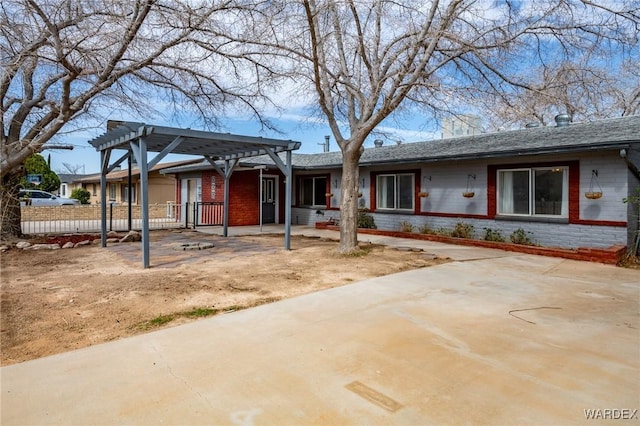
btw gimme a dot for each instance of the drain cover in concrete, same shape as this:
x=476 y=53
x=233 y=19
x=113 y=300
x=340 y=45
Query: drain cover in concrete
x=193 y=246
x=374 y=396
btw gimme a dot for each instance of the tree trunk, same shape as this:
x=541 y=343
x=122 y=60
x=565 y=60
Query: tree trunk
x=349 y=202
x=10 y=207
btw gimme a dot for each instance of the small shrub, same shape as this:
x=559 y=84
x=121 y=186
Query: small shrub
x=462 y=230
x=493 y=235
x=365 y=220
x=443 y=231
x=406 y=226
x=81 y=194
x=426 y=229
x=520 y=236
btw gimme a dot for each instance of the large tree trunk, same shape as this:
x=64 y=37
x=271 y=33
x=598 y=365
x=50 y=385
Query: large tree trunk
x=10 y=206
x=349 y=202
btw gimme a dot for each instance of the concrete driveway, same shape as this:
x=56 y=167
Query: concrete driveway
x=504 y=339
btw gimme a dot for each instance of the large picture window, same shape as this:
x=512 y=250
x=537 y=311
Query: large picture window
x=313 y=191
x=534 y=191
x=395 y=191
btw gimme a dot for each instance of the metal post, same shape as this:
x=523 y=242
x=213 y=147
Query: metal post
x=287 y=203
x=260 y=195
x=260 y=199
x=111 y=217
x=104 y=158
x=144 y=200
x=225 y=219
x=195 y=215
x=130 y=201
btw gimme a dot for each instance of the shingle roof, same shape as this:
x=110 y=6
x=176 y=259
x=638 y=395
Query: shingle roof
x=602 y=134
x=70 y=177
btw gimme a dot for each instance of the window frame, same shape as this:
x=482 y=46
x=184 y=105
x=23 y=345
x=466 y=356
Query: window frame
x=113 y=191
x=124 y=193
x=396 y=199
x=301 y=188
x=566 y=197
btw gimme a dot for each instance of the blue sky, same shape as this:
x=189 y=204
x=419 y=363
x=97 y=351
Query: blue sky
x=294 y=126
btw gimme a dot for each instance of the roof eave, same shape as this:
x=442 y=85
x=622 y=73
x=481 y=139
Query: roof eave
x=480 y=156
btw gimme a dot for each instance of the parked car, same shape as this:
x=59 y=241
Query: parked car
x=35 y=197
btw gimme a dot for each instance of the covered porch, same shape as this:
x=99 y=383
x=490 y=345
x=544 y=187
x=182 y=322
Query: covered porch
x=222 y=150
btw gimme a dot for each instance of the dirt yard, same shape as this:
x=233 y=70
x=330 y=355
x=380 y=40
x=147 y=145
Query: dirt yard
x=59 y=300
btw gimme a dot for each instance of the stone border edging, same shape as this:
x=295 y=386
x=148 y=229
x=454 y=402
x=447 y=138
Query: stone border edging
x=611 y=255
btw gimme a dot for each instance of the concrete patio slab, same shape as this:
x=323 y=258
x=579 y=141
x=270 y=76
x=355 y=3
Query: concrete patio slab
x=507 y=340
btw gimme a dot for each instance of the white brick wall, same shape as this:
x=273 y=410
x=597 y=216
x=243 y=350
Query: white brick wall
x=612 y=177
x=449 y=180
x=447 y=184
x=545 y=234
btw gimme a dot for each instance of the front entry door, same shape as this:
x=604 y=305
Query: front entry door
x=191 y=193
x=268 y=200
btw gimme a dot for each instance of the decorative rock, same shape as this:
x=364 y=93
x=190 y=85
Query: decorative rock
x=68 y=245
x=45 y=247
x=429 y=256
x=83 y=243
x=193 y=246
x=4 y=248
x=111 y=240
x=23 y=244
x=415 y=249
x=131 y=236
x=112 y=234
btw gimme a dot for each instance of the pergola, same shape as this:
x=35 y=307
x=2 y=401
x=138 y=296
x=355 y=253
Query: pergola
x=137 y=139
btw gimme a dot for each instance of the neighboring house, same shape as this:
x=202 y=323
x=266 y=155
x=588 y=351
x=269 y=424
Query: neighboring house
x=461 y=125
x=69 y=182
x=564 y=184
x=161 y=186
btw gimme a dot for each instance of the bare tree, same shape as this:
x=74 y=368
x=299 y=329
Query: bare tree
x=65 y=60
x=72 y=169
x=583 y=91
x=368 y=60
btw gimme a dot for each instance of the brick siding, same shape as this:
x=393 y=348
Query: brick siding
x=243 y=199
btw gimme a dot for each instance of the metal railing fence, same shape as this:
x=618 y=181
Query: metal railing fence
x=86 y=218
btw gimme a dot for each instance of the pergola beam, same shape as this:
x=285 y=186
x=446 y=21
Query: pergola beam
x=118 y=161
x=214 y=165
x=168 y=149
